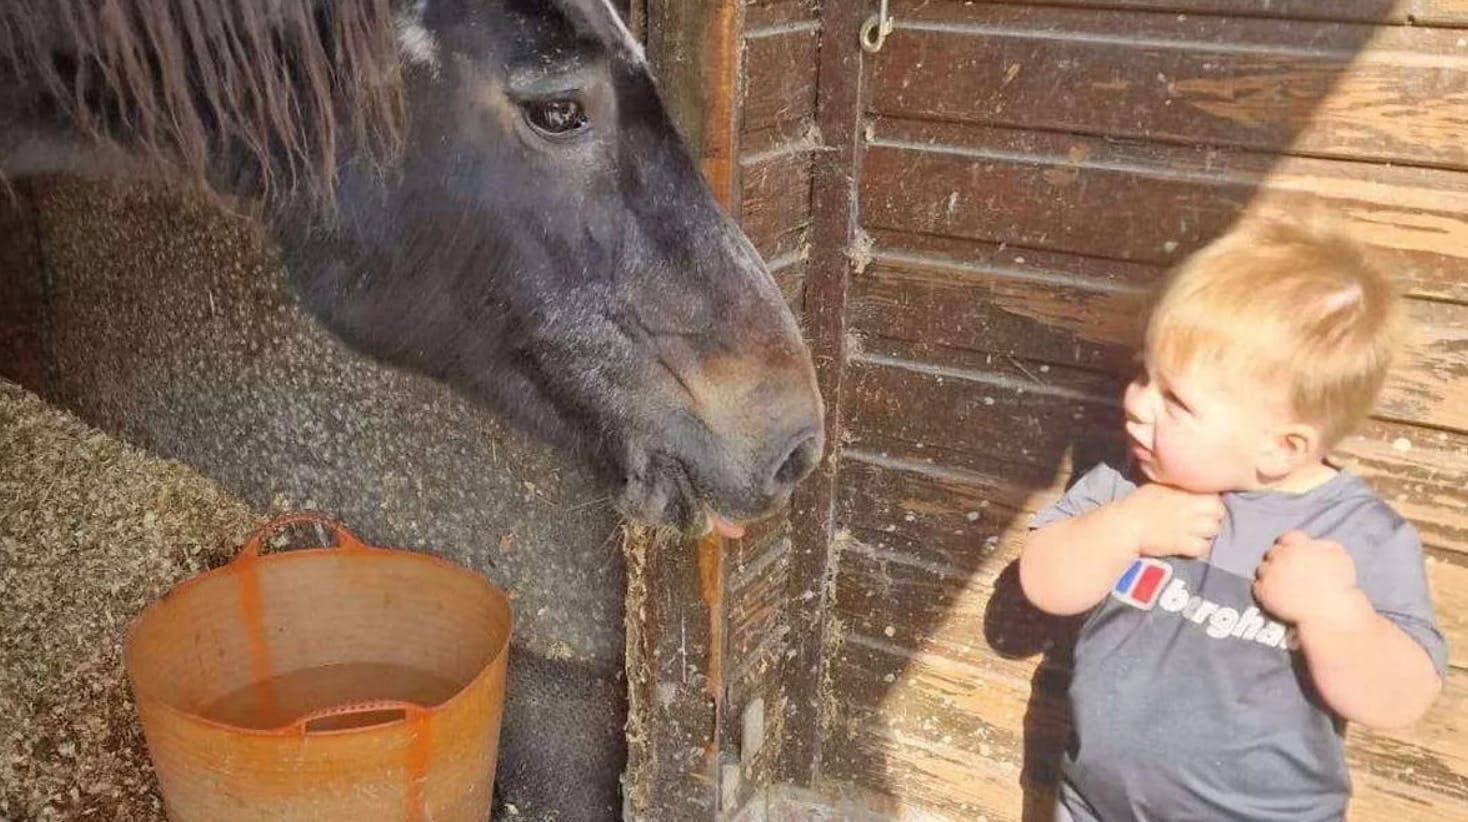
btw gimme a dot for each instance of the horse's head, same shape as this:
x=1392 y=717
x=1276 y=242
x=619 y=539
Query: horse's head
x=550 y=247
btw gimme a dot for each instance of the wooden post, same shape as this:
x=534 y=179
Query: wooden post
x=833 y=230
x=675 y=609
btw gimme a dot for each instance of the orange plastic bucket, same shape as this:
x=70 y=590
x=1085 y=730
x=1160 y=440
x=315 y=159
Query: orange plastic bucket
x=346 y=683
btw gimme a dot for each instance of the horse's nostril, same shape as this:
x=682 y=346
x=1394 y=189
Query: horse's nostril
x=801 y=459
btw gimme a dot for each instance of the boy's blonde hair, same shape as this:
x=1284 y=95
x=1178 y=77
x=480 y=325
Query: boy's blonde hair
x=1288 y=302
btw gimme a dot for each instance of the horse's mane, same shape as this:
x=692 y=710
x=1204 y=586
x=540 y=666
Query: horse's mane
x=279 y=84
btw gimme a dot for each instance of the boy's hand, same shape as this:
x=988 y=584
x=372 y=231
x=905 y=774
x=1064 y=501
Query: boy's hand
x=1301 y=579
x=1172 y=522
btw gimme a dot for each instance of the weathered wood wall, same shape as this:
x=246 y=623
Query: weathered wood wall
x=778 y=142
x=967 y=222
x=709 y=633
x=1024 y=174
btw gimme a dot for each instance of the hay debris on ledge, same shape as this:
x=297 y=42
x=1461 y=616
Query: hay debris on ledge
x=91 y=531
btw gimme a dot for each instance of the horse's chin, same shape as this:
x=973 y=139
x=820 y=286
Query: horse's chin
x=669 y=500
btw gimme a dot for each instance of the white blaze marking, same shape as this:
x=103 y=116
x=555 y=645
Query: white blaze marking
x=414 y=41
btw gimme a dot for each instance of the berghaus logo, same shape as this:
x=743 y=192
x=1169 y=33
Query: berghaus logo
x=1149 y=583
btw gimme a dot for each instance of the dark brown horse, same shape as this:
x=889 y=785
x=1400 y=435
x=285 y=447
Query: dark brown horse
x=489 y=191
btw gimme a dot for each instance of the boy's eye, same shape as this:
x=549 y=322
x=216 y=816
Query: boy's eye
x=1172 y=399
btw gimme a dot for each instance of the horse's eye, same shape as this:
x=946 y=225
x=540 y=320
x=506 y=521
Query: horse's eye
x=557 y=118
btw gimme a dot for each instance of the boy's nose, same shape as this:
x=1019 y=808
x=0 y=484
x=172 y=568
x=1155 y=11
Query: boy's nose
x=1135 y=405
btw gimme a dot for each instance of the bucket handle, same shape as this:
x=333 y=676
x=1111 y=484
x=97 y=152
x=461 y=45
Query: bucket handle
x=411 y=711
x=345 y=539
x=418 y=754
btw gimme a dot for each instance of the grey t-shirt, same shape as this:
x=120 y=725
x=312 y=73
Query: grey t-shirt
x=1189 y=702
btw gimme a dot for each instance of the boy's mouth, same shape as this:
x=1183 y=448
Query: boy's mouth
x=1140 y=452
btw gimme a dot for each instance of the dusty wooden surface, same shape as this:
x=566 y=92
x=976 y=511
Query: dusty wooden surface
x=777 y=135
x=1026 y=173
x=713 y=698
x=833 y=213
x=674 y=614
x=706 y=623
x=1428 y=12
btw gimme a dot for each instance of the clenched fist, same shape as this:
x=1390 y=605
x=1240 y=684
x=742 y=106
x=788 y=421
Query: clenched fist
x=1301 y=578
x=1173 y=522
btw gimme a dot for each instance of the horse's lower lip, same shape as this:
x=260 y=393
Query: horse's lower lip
x=723 y=526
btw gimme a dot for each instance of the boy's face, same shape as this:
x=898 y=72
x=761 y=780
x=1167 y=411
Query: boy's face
x=1192 y=429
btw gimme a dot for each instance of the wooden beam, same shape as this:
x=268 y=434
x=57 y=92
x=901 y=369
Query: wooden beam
x=675 y=601
x=694 y=48
x=833 y=232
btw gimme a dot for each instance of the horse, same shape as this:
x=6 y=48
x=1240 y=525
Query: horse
x=490 y=192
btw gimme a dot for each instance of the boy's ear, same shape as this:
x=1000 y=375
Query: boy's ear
x=1292 y=446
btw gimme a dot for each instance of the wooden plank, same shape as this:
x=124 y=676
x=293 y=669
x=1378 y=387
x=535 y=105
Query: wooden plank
x=757 y=638
x=1430 y=385
x=957 y=257
x=674 y=608
x=775 y=199
x=941 y=517
x=961 y=741
x=783 y=137
x=922 y=608
x=789 y=273
x=761 y=12
x=777 y=109
x=1419 y=471
x=1059 y=319
x=833 y=227
x=760 y=537
x=779 y=76
x=1415 y=12
x=945 y=536
x=949 y=737
x=1027 y=310
x=760 y=15
x=694 y=47
x=758 y=702
x=1447 y=577
x=1151 y=203
x=1015 y=422
x=755 y=601
x=1347 y=91
x=673 y=652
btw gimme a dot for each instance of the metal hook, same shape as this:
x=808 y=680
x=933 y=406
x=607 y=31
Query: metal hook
x=875 y=30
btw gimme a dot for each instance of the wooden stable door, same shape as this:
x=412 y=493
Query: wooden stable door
x=967 y=220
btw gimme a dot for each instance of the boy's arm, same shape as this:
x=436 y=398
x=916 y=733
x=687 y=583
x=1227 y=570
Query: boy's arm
x=1069 y=566
x=1366 y=668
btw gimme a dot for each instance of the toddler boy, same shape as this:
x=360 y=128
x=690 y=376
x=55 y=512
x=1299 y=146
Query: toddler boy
x=1245 y=596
